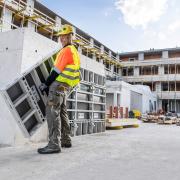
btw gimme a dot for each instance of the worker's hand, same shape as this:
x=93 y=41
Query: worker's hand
x=43 y=88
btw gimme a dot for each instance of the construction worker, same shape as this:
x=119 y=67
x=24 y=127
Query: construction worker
x=64 y=76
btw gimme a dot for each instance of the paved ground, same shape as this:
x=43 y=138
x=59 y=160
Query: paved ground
x=150 y=152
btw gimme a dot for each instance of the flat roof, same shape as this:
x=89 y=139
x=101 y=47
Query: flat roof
x=152 y=50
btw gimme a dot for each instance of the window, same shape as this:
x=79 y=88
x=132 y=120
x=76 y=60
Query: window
x=124 y=72
x=132 y=59
x=164 y=86
x=130 y=71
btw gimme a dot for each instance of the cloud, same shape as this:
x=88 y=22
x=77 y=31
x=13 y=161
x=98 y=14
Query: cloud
x=141 y=12
x=162 y=36
x=174 y=26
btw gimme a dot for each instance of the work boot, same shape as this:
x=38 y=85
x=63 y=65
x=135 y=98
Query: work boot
x=66 y=145
x=49 y=150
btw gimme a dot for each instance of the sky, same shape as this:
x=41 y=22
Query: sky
x=124 y=25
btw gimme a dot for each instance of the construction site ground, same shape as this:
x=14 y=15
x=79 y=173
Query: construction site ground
x=150 y=152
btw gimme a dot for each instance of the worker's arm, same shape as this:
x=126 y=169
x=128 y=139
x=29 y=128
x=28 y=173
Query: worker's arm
x=44 y=87
x=53 y=75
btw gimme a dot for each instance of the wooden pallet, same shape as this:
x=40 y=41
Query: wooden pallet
x=121 y=123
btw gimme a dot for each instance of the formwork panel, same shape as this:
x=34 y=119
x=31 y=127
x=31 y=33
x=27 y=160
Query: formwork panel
x=85 y=127
x=31 y=123
x=15 y=91
x=79 y=129
x=95 y=127
x=23 y=108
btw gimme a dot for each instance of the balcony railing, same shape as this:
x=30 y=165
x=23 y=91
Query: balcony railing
x=151 y=62
x=152 y=78
x=169 y=95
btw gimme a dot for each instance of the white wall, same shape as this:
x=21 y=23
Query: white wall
x=10 y=132
x=20 y=50
x=125 y=90
x=125 y=96
x=92 y=65
x=147 y=96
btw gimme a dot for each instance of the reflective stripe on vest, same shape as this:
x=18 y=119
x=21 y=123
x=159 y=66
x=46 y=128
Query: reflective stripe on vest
x=71 y=75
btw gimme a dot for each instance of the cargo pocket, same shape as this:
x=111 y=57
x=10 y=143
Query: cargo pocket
x=53 y=99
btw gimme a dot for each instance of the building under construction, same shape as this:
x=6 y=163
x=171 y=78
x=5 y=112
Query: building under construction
x=27 y=46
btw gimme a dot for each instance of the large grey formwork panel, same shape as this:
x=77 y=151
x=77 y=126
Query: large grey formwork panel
x=95 y=78
x=85 y=87
x=91 y=79
x=82 y=115
x=99 y=107
x=95 y=128
x=84 y=106
x=70 y=104
x=90 y=127
x=99 y=127
x=84 y=127
x=26 y=103
x=79 y=128
x=99 y=115
x=86 y=75
x=73 y=128
x=103 y=126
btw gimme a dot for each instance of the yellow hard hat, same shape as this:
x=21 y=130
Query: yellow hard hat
x=65 y=29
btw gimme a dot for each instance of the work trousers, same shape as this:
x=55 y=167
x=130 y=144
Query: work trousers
x=56 y=114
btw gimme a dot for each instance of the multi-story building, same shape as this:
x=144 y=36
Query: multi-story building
x=159 y=69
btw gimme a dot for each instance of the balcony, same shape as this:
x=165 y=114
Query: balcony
x=151 y=62
x=152 y=78
x=169 y=95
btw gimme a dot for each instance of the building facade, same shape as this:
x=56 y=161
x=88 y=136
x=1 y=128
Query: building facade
x=160 y=70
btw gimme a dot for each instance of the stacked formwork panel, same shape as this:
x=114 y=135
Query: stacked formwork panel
x=87 y=104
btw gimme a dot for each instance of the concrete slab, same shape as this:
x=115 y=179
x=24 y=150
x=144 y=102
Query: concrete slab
x=149 y=152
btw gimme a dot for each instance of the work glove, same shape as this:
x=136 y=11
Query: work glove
x=44 y=89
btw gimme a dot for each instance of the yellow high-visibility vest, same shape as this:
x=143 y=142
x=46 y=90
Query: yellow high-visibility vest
x=71 y=73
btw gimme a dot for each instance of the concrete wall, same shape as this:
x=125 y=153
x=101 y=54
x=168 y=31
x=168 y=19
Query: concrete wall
x=92 y=65
x=125 y=95
x=21 y=50
x=9 y=129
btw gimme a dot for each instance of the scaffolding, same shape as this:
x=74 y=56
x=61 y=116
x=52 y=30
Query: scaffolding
x=22 y=14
